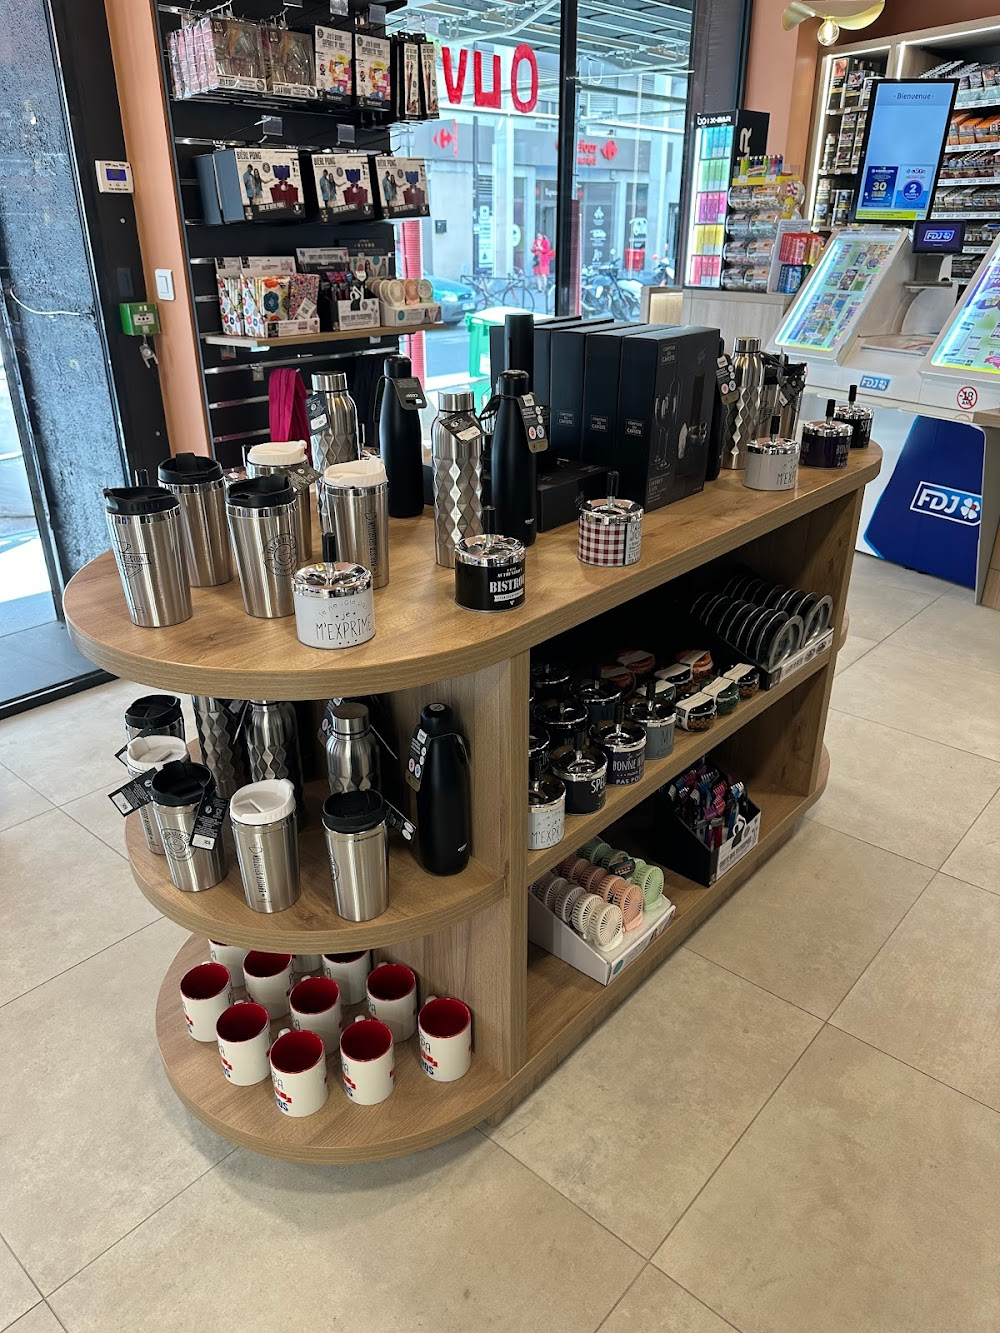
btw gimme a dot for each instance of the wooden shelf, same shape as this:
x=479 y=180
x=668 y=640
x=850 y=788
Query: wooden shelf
x=418 y=1114
x=422 y=634
x=341 y=335
x=689 y=746
x=419 y=903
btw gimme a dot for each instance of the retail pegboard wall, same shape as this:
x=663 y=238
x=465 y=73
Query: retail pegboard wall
x=235 y=379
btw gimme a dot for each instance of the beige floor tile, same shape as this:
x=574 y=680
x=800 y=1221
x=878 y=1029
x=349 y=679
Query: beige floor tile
x=655 y=1304
x=976 y=859
x=92 y=1138
x=876 y=612
x=458 y=1238
x=884 y=575
x=18 y=801
x=39 y=1320
x=96 y=813
x=643 y=1080
x=894 y=685
x=862 y=1200
x=965 y=635
x=67 y=748
x=17 y=1292
x=811 y=919
x=66 y=895
x=853 y=649
x=932 y=995
x=909 y=795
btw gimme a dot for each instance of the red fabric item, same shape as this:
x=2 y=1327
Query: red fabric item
x=286 y=391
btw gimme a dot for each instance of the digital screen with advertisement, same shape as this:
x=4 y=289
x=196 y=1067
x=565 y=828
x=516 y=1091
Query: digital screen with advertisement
x=971 y=342
x=906 y=131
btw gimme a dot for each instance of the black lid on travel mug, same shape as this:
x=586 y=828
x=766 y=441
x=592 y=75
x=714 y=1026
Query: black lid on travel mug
x=189 y=470
x=182 y=783
x=153 y=710
x=353 y=811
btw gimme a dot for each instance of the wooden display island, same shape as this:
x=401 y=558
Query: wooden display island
x=466 y=935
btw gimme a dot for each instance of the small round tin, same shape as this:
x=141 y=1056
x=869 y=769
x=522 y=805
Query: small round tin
x=726 y=694
x=638 y=661
x=700 y=662
x=747 y=679
x=858 y=418
x=585 y=774
x=624 y=746
x=680 y=676
x=657 y=718
x=538 y=745
x=546 y=813
x=696 y=713
x=489 y=573
x=663 y=691
x=609 y=532
x=817 y=620
x=771 y=465
x=333 y=605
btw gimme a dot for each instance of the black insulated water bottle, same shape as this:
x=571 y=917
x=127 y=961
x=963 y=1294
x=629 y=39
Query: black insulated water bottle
x=439 y=770
x=398 y=404
x=513 y=468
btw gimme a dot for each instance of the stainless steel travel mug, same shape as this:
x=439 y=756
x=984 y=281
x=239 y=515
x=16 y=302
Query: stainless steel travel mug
x=178 y=790
x=288 y=459
x=355 y=508
x=267 y=843
x=142 y=754
x=272 y=735
x=262 y=521
x=222 y=750
x=154 y=715
x=198 y=483
x=335 y=438
x=456 y=453
x=357 y=845
x=144 y=525
x=353 y=761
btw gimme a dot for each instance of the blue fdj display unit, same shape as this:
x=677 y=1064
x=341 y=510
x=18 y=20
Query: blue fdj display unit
x=927 y=516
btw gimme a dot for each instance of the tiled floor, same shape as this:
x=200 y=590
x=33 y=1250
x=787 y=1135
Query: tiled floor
x=792 y=1127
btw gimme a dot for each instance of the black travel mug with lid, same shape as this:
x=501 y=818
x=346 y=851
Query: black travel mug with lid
x=438 y=770
x=154 y=715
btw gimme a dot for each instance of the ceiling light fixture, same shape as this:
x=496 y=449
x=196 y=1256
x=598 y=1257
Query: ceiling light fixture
x=828 y=32
x=834 y=15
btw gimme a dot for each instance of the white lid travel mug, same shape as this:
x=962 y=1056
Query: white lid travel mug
x=178 y=790
x=146 y=752
x=266 y=834
x=355 y=508
x=144 y=525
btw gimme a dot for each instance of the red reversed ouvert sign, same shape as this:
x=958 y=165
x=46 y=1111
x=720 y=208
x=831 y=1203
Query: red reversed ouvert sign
x=488 y=84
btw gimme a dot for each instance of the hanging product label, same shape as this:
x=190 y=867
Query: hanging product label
x=410 y=393
x=415 y=761
x=317 y=413
x=397 y=820
x=534 y=423
x=134 y=794
x=208 y=823
x=726 y=374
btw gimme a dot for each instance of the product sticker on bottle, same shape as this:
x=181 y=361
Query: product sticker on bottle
x=726 y=374
x=397 y=820
x=534 y=423
x=134 y=794
x=415 y=762
x=316 y=412
x=303 y=475
x=410 y=393
x=208 y=823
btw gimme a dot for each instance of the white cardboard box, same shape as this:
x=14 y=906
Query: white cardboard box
x=549 y=932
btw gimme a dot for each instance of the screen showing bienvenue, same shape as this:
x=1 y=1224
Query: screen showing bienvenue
x=909 y=122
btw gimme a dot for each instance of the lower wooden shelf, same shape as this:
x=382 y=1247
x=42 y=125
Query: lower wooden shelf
x=419 y=903
x=563 y=1006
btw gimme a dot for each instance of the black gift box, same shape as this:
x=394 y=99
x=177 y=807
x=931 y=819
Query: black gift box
x=560 y=490
x=567 y=349
x=601 y=384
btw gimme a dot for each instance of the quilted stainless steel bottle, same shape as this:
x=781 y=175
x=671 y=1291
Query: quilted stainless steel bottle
x=744 y=414
x=457 y=454
x=337 y=439
x=222 y=750
x=273 y=745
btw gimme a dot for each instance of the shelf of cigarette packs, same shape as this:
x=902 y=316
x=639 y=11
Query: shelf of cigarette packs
x=842 y=137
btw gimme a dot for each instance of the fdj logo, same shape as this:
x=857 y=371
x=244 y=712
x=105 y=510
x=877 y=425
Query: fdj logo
x=942 y=502
x=876 y=383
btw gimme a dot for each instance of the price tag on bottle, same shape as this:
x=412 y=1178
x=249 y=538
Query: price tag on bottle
x=726 y=374
x=134 y=795
x=208 y=822
x=397 y=820
x=410 y=393
x=533 y=415
x=416 y=758
x=316 y=411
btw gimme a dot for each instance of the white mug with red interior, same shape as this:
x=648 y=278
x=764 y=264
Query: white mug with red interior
x=445 y=1027
x=206 y=993
x=244 y=1036
x=392 y=997
x=350 y=972
x=315 y=1007
x=298 y=1073
x=367 y=1058
x=269 y=977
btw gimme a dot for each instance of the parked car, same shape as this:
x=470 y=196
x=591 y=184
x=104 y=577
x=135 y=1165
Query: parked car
x=456 y=299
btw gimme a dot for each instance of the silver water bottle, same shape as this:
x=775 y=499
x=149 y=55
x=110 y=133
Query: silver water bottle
x=288 y=458
x=353 y=761
x=198 y=483
x=335 y=437
x=144 y=524
x=178 y=790
x=744 y=414
x=272 y=736
x=265 y=831
x=222 y=749
x=262 y=521
x=457 y=452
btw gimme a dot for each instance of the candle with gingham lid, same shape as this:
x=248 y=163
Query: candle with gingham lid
x=610 y=529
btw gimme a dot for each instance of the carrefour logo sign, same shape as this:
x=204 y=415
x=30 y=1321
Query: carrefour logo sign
x=943 y=502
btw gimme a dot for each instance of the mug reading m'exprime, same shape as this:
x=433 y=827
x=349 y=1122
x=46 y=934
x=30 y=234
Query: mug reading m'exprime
x=367 y=1059
x=244 y=1036
x=392 y=998
x=269 y=978
x=206 y=993
x=445 y=1027
x=298 y=1073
